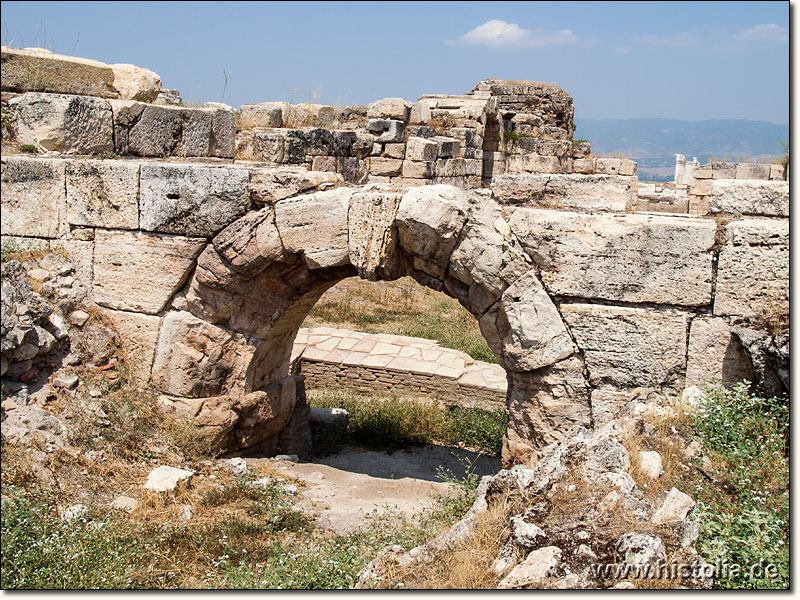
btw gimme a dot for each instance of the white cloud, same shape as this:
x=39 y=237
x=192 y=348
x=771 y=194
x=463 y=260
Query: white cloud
x=622 y=49
x=764 y=33
x=678 y=40
x=496 y=34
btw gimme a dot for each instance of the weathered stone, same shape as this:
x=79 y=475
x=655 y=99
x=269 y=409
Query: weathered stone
x=769 y=354
x=372 y=234
x=397 y=150
x=535 y=570
x=235 y=466
x=167 y=479
x=263 y=114
x=33 y=196
x=753 y=269
x=139 y=336
x=527 y=535
x=386 y=130
x=676 y=507
x=195 y=359
x=385 y=167
x=352 y=170
x=777 y=171
x=139 y=272
x=66 y=124
x=191 y=200
x=715 y=355
x=767 y=198
x=429 y=221
x=413 y=169
x=316 y=227
x=448 y=147
x=607 y=166
x=531 y=331
x=64 y=380
x=752 y=171
x=390 y=108
x=125 y=503
x=627 y=347
x=542 y=406
x=251 y=243
x=37 y=70
x=631 y=258
x=103 y=194
x=608 y=192
x=640 y=550
x=268 y=186
x=651 y=464
x=136 y=83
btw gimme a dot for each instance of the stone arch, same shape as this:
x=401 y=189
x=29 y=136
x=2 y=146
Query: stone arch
x=224 y=350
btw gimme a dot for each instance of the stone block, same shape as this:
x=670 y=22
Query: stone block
x=263 y=114
x=450 y=167
x=390 y=108
x=372 y=235
x=414 y=169
x=723 y=170
x=38 y=70
x=136 y=83
x=629 y=258
x=767 y=198
x=63 y=123
x=351 y=169
x=315 y=226
x=421 y=149
x=103 y=193
x=752 y=171
x=533 y=163
x=583 y=165
x=195 y=359
x=605 y=192
x=191 y=199
x=395 y=150
x=628 y=167
x=777 y=172
x=581 y=149
x=33 y=196
x=630 y=347
x=715 y=354
x=701 y=187
x=753 y=268
x=385 y=167
x=448 y=147
x=608 y=166
x=269 y=185
x=386 y=130
x=139 y=336
x=139 y=272
x=703 y=172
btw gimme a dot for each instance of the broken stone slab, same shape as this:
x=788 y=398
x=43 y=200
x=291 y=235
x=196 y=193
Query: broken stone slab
x=136 y=83
x=633 y=258
x=262 y=114
x=191 y=199
x=525 y=534
x=236 y=466
x=63 y=123
x=448 y=147
x=535 y=570
x=268 y=186
x=65 y=381
x=39 y=70
x=33 y=196
x=421 y=149
x=753 y=269
x=140 y=272
x=167 y=479
x=103 y=194
x=78 y=317
x=763 y=198
x=315 y=226
x=676 y=507
x=251 y=243
x=604 y=192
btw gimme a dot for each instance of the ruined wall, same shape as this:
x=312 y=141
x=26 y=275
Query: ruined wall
x=209 y=269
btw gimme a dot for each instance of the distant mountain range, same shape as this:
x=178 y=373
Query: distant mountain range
x=653 y=143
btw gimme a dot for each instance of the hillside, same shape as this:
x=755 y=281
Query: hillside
x=653 y=143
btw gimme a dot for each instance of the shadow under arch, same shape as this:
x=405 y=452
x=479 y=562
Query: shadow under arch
x=225 y=348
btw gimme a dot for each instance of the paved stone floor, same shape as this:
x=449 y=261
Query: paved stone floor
x=396 y=352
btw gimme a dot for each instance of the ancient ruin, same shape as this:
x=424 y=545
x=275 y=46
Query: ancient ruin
x=207 y=234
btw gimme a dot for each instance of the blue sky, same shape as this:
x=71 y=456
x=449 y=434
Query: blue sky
x=692 y=60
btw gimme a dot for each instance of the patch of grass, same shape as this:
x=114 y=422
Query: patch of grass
x=402 y=307
x=516 y=136
x=29 y=149
x=744 y=508
x=389 y=423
